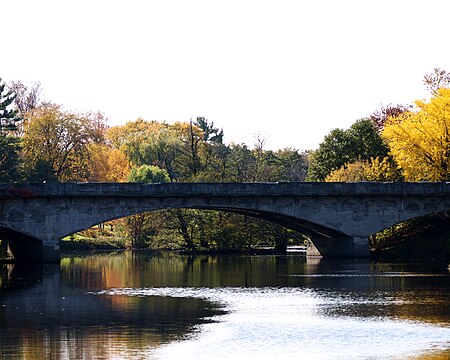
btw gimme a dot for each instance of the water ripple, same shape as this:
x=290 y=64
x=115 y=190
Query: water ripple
x=281 y=323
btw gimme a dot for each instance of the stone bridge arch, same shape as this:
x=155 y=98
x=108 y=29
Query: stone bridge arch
x=338 y=217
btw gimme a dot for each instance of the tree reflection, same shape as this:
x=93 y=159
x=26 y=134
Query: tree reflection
x=51 y=311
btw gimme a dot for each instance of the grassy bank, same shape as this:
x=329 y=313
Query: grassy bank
x=93 y=239
x=85 y=243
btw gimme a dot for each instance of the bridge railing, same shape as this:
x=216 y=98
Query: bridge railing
x=222 y=189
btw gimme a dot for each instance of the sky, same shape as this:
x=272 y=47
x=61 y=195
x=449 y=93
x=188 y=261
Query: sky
x=288 y=71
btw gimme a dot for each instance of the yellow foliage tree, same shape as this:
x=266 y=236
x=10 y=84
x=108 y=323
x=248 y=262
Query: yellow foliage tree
x=60 y=140
x=106 y=164
x=348 y=173
x=373 y=170
x=419 y=140
x=98 y=169
x=138 y=129
x=119 y=166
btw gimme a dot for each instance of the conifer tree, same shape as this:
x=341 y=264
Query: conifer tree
x=8 y=116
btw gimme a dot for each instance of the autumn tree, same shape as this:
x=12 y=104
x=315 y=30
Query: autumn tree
x=146 y=143
x=366 y=170
x=60 y=140
x=27 y=99
x=133 y=138
x=436 y=80
x=380 y=117
x=97 y=164
x=118 y=166
x=194 y=151
x=419 y=140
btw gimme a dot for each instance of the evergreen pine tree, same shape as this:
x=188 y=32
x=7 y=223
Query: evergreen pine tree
x=8 y=117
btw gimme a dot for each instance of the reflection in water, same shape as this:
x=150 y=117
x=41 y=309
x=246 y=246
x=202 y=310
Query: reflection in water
x=42 y=316
x=280 y=322
x=134 y=305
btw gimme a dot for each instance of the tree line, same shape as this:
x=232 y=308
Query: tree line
x=41 y=141
x=396 y=143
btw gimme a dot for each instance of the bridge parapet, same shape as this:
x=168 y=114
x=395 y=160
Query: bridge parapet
x=224 y=189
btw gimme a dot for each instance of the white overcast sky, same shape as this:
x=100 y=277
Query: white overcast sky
x=288 y=70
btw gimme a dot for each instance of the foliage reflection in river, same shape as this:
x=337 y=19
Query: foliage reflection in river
x=135 y=305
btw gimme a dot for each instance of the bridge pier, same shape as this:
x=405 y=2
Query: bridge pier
x=338 y=247
x=361 y=247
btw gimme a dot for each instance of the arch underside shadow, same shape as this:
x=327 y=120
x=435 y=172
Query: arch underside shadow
x=424 y=236
x=20 y=245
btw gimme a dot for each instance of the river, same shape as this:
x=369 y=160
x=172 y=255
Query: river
x=135 y=305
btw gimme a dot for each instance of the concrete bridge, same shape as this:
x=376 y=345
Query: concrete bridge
x=338 y=217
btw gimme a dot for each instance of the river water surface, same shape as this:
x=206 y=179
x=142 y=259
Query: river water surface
x=140 y=306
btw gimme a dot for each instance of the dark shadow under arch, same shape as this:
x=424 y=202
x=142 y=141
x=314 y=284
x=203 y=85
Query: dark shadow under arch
x=22 y=247
x=424 y=237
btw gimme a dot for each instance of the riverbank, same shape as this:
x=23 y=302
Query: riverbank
x=425 y=243
x=84 y=243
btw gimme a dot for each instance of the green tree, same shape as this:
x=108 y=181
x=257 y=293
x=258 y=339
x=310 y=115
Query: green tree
x=360 y=142
x=41 y=171
x=8 y=115
x=242 y=164
x=148 y=174
x=189 y=161
x=293 y=165
x=160 y=148
x=141 y=227
x=147 y=143
x=210 y=133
